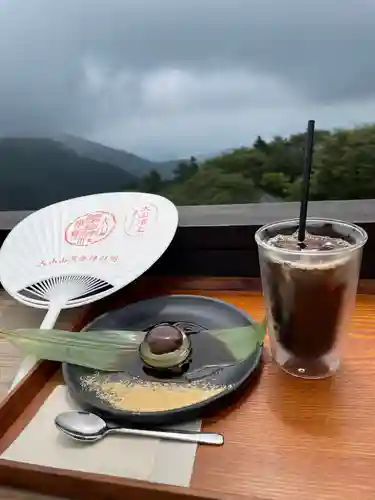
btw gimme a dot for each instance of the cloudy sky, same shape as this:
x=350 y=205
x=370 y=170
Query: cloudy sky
x=169 y=78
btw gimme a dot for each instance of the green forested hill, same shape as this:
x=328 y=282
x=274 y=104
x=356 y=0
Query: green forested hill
x=38 y=172
x=343 y=168
x=129 y=162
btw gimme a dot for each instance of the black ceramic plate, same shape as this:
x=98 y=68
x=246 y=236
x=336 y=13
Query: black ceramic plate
x=196 y=315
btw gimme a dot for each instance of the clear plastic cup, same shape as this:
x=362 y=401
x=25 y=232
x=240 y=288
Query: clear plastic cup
x=309 y=295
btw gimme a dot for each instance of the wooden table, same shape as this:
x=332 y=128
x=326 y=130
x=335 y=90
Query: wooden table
x=301 y=439
x=291 y=438
x=15 y=315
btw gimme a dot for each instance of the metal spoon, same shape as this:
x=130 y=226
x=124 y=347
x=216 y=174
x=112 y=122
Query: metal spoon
x=85 y=426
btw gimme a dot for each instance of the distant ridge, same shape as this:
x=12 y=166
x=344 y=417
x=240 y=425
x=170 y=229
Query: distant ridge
x=38 y=172
x=130 y=162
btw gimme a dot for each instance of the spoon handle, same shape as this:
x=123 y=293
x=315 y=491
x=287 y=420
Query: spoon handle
x=183 y=436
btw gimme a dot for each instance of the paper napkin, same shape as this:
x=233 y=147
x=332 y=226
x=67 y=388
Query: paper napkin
x=41 y=443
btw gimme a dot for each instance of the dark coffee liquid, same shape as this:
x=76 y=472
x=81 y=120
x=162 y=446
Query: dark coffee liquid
x=307 y=302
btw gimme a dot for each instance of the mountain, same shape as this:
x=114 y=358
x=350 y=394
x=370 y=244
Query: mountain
x=38 y=172
x=132 y=163
x=208 y=156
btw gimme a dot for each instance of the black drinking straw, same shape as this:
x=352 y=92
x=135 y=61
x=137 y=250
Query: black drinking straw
x=306 y=180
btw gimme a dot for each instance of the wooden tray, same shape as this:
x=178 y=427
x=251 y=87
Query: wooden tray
x=285 y=438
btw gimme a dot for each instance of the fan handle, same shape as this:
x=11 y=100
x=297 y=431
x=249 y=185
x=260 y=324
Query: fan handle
x=28 y=363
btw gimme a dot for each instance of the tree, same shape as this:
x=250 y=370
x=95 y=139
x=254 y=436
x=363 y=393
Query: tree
x=209 y=186
x=260 y=144
x=185 y=170
x=248 y=162
x=275 y=183
x=343 y=168
x=152 y=182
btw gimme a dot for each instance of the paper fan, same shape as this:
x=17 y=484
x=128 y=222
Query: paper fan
x=80 y=250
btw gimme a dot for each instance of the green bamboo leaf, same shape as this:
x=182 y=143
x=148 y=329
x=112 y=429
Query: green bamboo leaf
x=101 y=350
x=109 y=350
x=242 y=341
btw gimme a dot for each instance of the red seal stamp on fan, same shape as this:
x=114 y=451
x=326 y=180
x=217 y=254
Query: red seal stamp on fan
x=142 y=219
x=90 y=228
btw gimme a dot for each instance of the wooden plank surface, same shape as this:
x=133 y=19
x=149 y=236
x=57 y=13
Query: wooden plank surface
x=300 y=439
x=15 y=315
x=290 y=438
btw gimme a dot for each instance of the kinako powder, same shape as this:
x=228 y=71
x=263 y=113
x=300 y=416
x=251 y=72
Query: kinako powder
x=145 y=396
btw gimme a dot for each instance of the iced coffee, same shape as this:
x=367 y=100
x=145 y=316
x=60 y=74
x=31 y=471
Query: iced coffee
x=309 y=291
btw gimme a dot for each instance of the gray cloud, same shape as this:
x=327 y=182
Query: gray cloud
x=167 y=77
